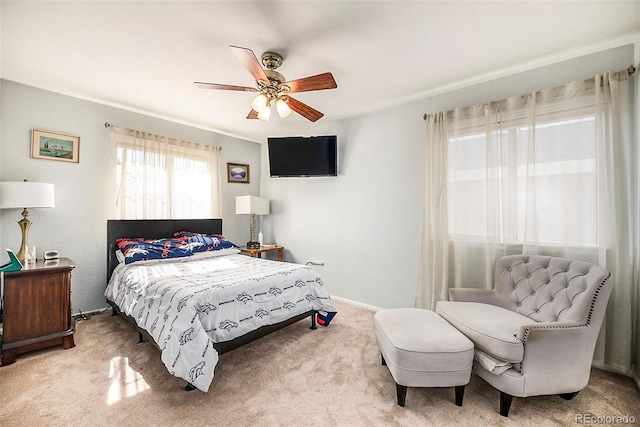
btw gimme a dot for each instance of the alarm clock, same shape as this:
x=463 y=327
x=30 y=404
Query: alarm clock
x=51 y=255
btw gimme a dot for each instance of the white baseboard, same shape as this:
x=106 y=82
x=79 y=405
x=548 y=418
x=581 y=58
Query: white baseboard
x=81 y=314
x=356 y=303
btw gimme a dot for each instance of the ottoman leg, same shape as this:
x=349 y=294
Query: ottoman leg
x=384 y=362
x=459 y=394
x=401 y=392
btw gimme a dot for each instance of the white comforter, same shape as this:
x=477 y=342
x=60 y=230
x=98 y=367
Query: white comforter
x=188 y=304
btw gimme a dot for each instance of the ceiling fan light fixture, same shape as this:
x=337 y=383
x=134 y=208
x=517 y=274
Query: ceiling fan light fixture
x=283 y=108
x=260 y=103
x=264 y=114
x=272 y=87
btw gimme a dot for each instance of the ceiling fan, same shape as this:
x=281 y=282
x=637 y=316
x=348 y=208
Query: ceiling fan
x=273 y=87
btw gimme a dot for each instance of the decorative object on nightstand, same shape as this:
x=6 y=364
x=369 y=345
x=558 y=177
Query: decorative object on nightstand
x=37 y=308
x=13 y=265
x=252 y=205
x=51 y=255
x=25 y=195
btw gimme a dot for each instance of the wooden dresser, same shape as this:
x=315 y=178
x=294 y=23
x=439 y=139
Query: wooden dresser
x=37 y=308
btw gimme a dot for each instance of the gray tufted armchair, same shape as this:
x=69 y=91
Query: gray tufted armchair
x=535 y=332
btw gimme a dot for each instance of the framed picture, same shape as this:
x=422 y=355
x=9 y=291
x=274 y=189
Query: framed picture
x=55 y=146
x=237 y=172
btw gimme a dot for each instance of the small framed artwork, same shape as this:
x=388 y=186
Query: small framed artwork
x=237 y=172
x=55 y=146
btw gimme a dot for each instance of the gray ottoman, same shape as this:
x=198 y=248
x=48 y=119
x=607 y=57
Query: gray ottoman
x=421 y=349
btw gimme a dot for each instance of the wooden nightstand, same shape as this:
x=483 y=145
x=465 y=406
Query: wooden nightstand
x=37 y=308
x=258 y=252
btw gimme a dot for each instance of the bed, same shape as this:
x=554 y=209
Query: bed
x=194 y=307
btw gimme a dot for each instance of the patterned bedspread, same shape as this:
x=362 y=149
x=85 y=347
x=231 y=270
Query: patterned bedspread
x=188 y=304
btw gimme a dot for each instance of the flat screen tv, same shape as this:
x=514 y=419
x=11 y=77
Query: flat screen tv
x=298 y=156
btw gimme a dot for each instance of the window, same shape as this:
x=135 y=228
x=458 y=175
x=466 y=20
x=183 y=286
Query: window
x=522 y=181
x=162 y=178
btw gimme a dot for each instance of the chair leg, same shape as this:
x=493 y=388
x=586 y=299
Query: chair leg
x=401 y=393
x=569 y=396
x=505 y=403
x=459 y=394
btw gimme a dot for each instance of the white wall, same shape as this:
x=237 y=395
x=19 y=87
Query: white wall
x=85 y=192
x=365 y=224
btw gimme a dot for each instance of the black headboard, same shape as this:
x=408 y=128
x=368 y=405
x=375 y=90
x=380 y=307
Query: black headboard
x=152 y=229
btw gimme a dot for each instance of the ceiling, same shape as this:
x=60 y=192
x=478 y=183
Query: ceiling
x=144 y=56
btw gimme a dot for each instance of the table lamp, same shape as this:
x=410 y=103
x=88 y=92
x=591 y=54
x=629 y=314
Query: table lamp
x=252 y=205
x=25 y=195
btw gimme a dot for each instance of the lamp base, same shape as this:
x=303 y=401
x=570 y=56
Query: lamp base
x=253 y=245
x=24 y=224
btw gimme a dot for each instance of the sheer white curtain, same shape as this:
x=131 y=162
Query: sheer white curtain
x=546 y=173
x=617 y=218
x=434 y=259
x=160 y=177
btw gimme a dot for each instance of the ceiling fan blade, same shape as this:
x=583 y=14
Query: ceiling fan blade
x=251 y=63
x=253 y=114
x=203 y=85
x=317 y=82
x=304 y=110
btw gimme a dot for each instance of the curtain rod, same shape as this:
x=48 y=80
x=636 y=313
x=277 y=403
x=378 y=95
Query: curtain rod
x=108 y=125
x=117 y=128
x=126 y=130
x=111 y=125
x=630 y=70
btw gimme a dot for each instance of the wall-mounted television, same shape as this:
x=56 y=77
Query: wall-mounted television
x=301 y=156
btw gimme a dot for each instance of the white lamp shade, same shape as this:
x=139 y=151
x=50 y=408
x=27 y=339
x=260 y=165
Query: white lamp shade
x=283 y=108
x=265 y=114
x=260 y=102
x=246 y=205
x=23 y=194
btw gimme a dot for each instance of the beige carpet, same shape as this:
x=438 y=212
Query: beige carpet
x=294 y=377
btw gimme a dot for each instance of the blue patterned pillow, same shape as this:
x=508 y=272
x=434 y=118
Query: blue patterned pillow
x=198 y=242
x=140 y=249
